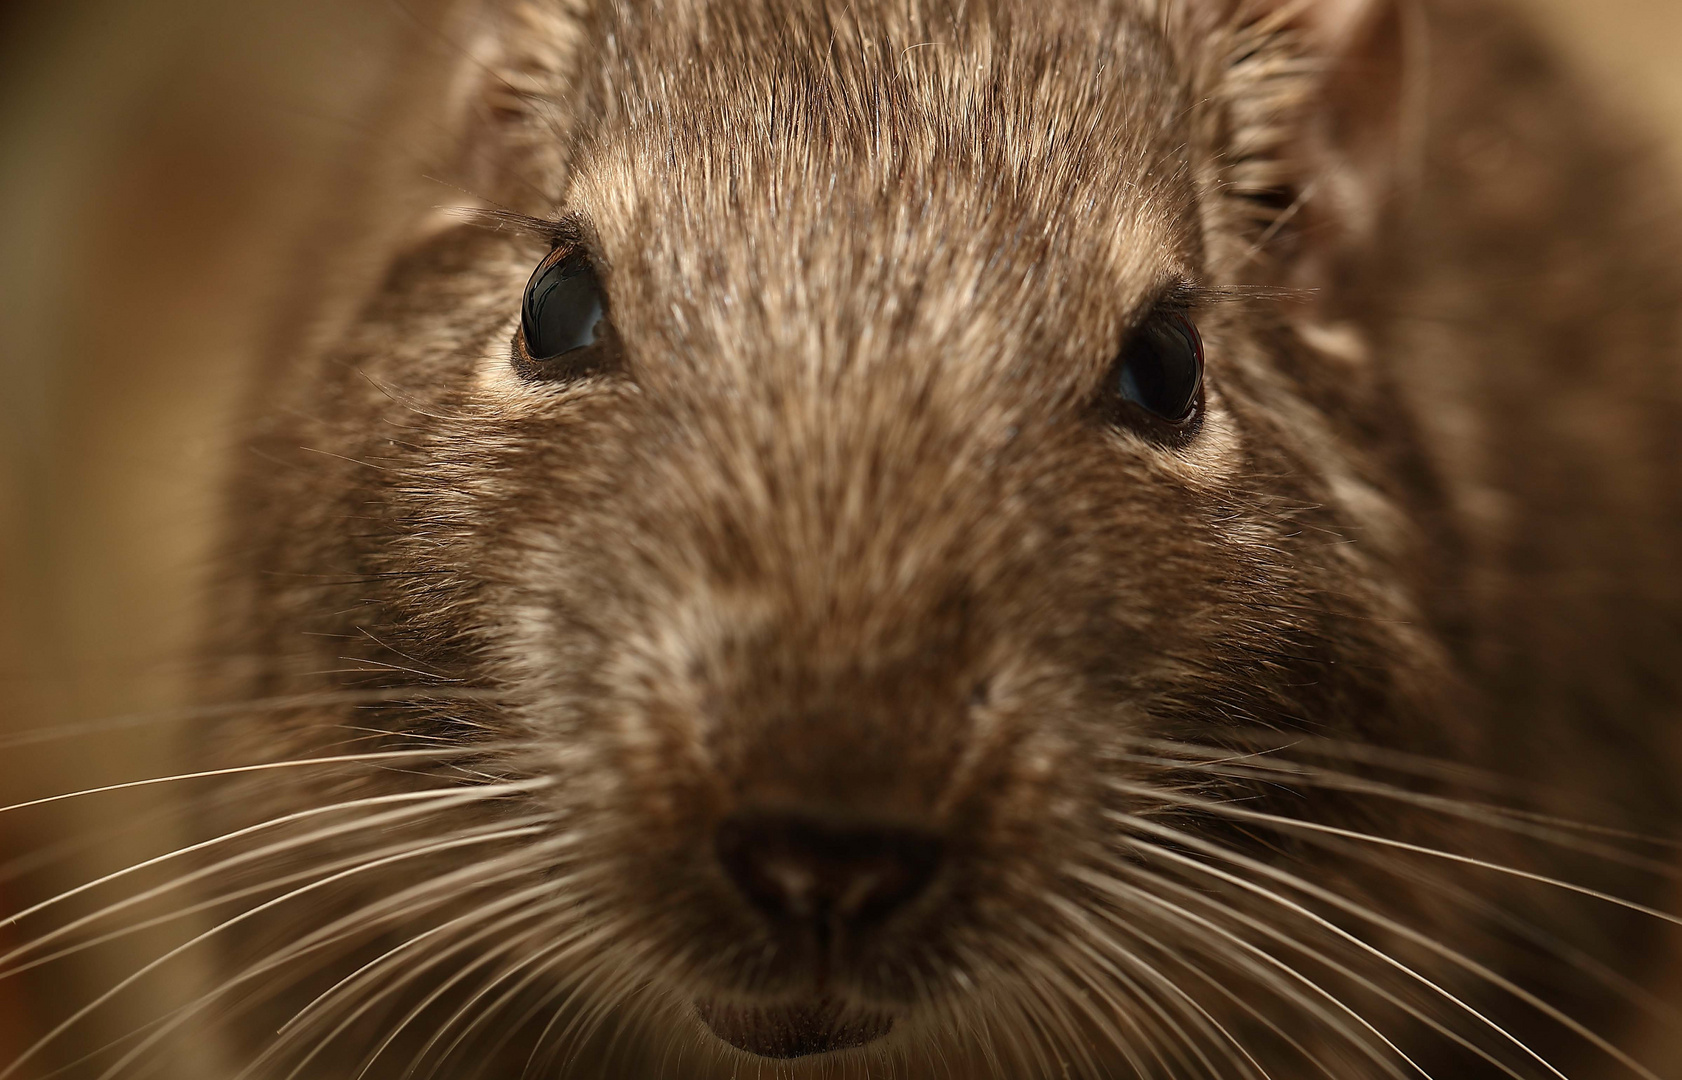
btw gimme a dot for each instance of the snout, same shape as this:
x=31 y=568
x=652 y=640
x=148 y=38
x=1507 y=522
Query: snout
x=828 y=816
x=825 y=881
x=819 y=889
x=831 y=895
x=825 y=853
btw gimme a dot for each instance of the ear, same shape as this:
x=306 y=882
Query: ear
x=480 y=114
x=475 y=110
x=1364 y=145
x=1325 y=111
x=1329 y=22
x=514 y=106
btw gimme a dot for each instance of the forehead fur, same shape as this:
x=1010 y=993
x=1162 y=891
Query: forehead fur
x=812 y=162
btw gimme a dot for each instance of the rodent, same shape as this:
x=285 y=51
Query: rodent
x=986 y=539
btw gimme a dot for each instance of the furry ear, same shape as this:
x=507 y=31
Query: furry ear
x=1364 y=145
x=481 y=115
x=1330 y=22
x=477 y=111
x=1324 y=120
x=515 y=101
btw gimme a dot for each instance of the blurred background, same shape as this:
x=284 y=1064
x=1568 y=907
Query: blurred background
x=165 y=166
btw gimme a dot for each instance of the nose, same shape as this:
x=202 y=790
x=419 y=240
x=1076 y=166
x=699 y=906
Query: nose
x=824 y=878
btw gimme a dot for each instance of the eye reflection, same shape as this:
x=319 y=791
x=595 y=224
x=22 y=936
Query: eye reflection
x=1161 y=368
x=563 y=310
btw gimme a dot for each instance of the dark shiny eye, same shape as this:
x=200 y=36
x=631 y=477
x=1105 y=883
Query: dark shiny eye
x=1158 y=378
x=564 y=330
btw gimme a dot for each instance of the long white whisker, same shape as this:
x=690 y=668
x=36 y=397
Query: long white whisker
x=153 y=965
x=1384 y=842
x=1454 y=773
x=1132 y=894
x=534 y=965
x=211 y=712
x=1379 y=991
x=567 y=943
x=431 y=801
x=1055 y=977
x=1484 y=813
x=1032 y=1011
x=1171 y=1034
x=586 y=1022
x=1268 y=975
x=1578 y=960
x=183 y=1012
x=1209 y=980
x=1207 y=1023
x=236 y=770
x=1437 y=853
x=73 y=1067
x=564 y=992
x=220 y=900
x=1028 y=1049
x=364 y=917
x=1554 y=830
x=516 y=899
x=1363 y=912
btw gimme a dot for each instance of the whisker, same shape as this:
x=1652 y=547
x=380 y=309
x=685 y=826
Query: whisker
x=1209 y=980
x=580 y=939
x=1133 y=895
x=1182 y=1038
x=318 y=938
x=534 y=962
x=1055 y=975
x=585 y=1023
x=552 y=922
x=215 y=902
x=219 y=901
x=430 y=801
x=1539 y=826
x=1374 y=988
x=1030 y=1016
x=74 y=1066
x=106 y=725
x=1556 y=947
x=235 y=770
x=1454 y=773
x=1058 y=1018
x=1363 y=912
x=565 y=991
x=1435 y=853
x=516 y=900
x=153 y=965
x=1270 y=978
x=1207 y=1023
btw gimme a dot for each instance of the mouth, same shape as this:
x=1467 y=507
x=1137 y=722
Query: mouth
x=794 y=1029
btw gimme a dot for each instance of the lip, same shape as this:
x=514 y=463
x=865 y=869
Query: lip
x=793 y=1029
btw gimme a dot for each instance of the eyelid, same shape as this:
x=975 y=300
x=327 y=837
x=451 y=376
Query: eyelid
x=1178 y=295
x=575 y=233
x=1181 y=296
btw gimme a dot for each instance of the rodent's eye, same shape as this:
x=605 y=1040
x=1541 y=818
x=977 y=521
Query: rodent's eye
x=1156 y=383
x=564 y=330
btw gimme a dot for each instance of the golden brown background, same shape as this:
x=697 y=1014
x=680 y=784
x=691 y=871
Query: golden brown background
x=163 y=165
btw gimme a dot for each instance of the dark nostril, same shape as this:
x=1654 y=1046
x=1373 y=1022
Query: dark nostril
x=828 y=877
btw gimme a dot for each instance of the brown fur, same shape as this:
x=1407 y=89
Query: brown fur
x=848 y=533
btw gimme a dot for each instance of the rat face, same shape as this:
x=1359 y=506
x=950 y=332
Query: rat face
x=888 y=501
x=884 y=483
